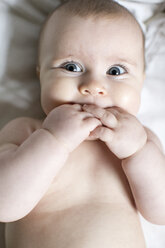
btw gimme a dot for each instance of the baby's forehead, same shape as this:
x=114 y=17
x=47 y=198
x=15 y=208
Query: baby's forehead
x=60 y=19
x=55 y=20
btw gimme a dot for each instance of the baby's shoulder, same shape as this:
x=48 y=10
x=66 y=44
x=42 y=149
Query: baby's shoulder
x=18 y=130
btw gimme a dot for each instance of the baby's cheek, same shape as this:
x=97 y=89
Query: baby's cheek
x=46 y=102
x=54 y=94
x=129 y=99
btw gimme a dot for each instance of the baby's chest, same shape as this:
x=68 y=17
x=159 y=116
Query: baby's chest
x=87 y=176
x=87 y=180
x=75 y=206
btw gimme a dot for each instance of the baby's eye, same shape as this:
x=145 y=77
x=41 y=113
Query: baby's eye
x=72 y=67
x=117 y=70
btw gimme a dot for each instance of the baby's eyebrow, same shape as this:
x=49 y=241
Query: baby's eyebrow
x=123 y=60
x=110 y=59
x=66 y=57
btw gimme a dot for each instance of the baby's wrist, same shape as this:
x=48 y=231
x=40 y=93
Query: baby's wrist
x=140 y=146
x=61 y=147
x=136 y=153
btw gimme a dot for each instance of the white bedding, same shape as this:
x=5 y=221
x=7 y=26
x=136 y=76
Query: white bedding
x=20 y=22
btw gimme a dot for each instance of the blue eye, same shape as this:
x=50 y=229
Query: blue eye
x=117 y=70
x=72 y=67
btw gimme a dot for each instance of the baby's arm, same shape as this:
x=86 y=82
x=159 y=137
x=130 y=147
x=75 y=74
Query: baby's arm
x=28 y=165
x=145 y=171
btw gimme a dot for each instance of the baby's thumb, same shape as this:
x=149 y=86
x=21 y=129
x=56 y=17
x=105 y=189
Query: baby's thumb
x=92 y=123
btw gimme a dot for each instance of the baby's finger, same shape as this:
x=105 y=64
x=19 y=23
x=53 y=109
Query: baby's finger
x=107 y=118
x=92 y=122
x=86 y=115
x=77 y=106
x=102 y=133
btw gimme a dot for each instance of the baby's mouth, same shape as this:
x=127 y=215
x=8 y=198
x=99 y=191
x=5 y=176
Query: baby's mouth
x=91 y=103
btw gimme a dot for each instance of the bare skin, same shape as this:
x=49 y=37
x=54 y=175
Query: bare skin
x=89 y=197
x=78 y=178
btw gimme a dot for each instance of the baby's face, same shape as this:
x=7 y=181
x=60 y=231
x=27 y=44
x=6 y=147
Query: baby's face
x=94 y=61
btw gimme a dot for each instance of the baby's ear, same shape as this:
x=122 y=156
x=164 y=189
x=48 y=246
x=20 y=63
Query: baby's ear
x=38 y=71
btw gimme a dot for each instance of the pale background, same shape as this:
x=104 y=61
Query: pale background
x=20 y=23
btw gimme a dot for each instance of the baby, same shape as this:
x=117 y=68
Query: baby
x=78 y=178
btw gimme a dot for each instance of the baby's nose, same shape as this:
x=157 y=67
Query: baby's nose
x=93 y=89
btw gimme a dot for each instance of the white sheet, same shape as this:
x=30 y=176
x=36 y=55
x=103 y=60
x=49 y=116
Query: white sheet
x=20 y=22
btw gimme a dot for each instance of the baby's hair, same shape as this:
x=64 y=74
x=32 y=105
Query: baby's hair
x=94 y=8
x=86 y=8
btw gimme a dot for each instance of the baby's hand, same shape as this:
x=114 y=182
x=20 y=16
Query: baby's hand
x=121 y=131
x=70 y=125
